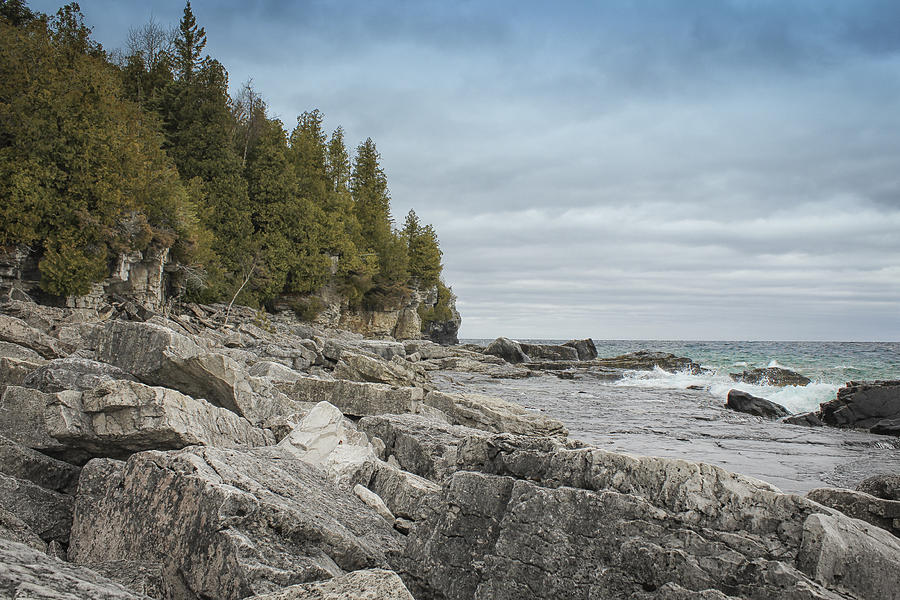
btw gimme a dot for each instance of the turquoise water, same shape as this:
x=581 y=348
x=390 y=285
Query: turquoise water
x=828 y=364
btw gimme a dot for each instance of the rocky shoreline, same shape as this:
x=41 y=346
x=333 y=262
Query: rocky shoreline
x=179 y=457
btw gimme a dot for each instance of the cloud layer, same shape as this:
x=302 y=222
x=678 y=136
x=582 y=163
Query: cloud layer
x=700 y=170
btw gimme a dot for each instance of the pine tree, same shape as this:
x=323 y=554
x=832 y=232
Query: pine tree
x=189 y=45
x=424 y=252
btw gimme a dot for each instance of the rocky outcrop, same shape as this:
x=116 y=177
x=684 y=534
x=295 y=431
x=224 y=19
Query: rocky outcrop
x=864 y=404
x=776 y=376
x=24 y=463
x=753 y=405
x=508 y=350
x=859 y=505
x=366 y=584
x=28 y=573
x=396 y=371
x=493 y=414
x=549 y=352
x=354 y=398
x=225 y=524
x=644 y=360
x=637 y=524
x=585 y=348
x=73 y=373
x=881 y=486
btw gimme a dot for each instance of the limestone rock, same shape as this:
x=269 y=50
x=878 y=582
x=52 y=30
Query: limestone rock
x=72 y=373
x=397 y=371
x=14 y=529
x=385 y=349
x=14 y=371
x=8 y=350
x=27 y=573
x=24 y=463
x=508 y=350
x=549 y=352
x=16 y=331
x=863 y=404
x=365 y=584
x=355 y=398
x=760 y=407
x=776 y=376
x=585 y=348
x=407 y=495
x=226 y=523
x=881 y=486
x=143 y=349
x=273 y=371
x=859 y=505
x=374 y=501
x=642 y=360
x=23 y=418
x=493 y=414
x=47 y=513
x=139 y=577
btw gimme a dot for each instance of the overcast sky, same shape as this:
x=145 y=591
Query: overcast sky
x=702 y=169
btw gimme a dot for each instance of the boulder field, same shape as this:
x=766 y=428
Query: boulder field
x=177 y=457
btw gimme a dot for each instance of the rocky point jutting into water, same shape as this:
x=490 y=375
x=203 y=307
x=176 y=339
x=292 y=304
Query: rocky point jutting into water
x=158 y=452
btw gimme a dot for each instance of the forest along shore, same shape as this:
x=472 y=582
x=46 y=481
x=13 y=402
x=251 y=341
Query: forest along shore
x=189 y=455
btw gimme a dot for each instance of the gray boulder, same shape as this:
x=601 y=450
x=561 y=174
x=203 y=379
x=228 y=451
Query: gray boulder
x=776 y=376
x=881 y=486
x=24 y=463
x=549 y=352
x=73 y=373
x=14 y=529
x=16 y=331
x=863 y=404
x=354 y=398
x=47 y=513
x=508 y=350
x=585 y=348
x=808 y=419
x=365 y=584
x=13 y=371
x=225 y=523
x=859 y=505
x=493 y=414
x=753 y=405
x=397 y=371
x=644 y=360
x=9 y=350
x=274 y=372
x=27 y=573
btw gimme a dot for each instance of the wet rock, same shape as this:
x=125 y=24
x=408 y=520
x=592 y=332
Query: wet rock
x=644 y=360
x=493 y=414
x=549 y=352
x=881 y=486
x=16 y=331
x=27 y=573
x=367 y=584
x=508 y=350
x=585 y=348
x=226 y=523
x=859 y=505
x=47 y=513
x=863 y=404
x=776 y=376
x=886 y=427
x=355 y=398
x=809 y=419
x=753 y=405
x=72 y=373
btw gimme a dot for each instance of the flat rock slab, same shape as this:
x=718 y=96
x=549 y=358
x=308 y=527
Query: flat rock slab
x=73 y=373
x=644 y=360
x=493 y=414
x=16 y=331
x=549 y=352
x=367 y=584
x=355 y=398
x=226 y=523
x=28 y=574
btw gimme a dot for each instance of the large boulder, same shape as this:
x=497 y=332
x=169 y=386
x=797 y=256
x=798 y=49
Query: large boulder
x=27 y=573
x=24 y=463
x=508 y=350
x=46 y=512
x=644 y=360
x=14 y=529
x=365 y=584
x=13 y=371
x=9 y=350
x=776 y=376
x=585 y=348
x=588 y=523
x=354 y=398
x=73 y=373
x=859 y=505
x=16 y=331
x=881 y=486
x=493 y=414
x=863 y=404
x=753 y=405
x=396 y=371
x=118 y=418
x=226 y=523
x=549 y=352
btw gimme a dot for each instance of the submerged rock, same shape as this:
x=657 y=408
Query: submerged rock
x=760 y=407
x=776 y=376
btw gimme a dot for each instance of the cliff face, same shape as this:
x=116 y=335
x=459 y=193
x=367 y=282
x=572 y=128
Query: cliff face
x=143 y=277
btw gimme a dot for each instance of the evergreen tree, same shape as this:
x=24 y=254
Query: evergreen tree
x=424 y=251
x=189 y=45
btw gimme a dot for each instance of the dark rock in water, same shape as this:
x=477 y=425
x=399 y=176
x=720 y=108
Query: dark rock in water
x=881 y=486
x=747 y=403
x=549 y=352
x=585 y=348
x=809 y=419
x=860 y=505
x=508 y=350
x=864 y=404
x=644 y=360
x=770 y=376
x=701 y=388
x=886 y=427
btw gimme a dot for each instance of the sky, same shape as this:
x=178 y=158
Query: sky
x=624 y=169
